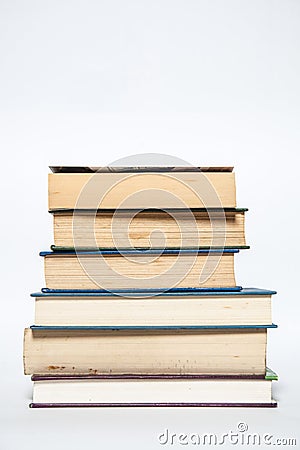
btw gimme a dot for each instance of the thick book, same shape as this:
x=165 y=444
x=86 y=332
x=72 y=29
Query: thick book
x=222 y=350
x=85 y=229
x=159 y=268
x=112 y=391
x=141 y=187
x=144 y=308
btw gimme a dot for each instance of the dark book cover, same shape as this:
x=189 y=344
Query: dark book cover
x=141 y=251
x=149 y=327
x=157 y=405
x=136 y=169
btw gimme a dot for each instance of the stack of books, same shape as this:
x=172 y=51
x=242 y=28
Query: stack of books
x=141 y=306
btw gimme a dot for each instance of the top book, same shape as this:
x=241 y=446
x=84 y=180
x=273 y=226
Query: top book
x=141 y=187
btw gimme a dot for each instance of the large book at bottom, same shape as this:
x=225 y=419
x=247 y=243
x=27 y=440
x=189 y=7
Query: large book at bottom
x=89 y=391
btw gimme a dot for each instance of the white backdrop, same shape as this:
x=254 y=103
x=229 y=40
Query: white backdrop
x=85 y=83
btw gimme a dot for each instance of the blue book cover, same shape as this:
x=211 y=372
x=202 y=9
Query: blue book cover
x=237 y=291
x=142 y=252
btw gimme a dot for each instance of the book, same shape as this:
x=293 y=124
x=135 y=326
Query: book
x=244 y=307
x=196 y=390
x=160 y=268
x=149 y=228
x=140 y=188
x=145 y=350
x=140 y=305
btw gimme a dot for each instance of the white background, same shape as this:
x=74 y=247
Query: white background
x=87 y=82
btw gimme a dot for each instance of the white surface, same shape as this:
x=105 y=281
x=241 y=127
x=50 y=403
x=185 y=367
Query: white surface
x=211 y=82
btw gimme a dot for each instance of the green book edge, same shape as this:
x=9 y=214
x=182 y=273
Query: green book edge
x=271 y=375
